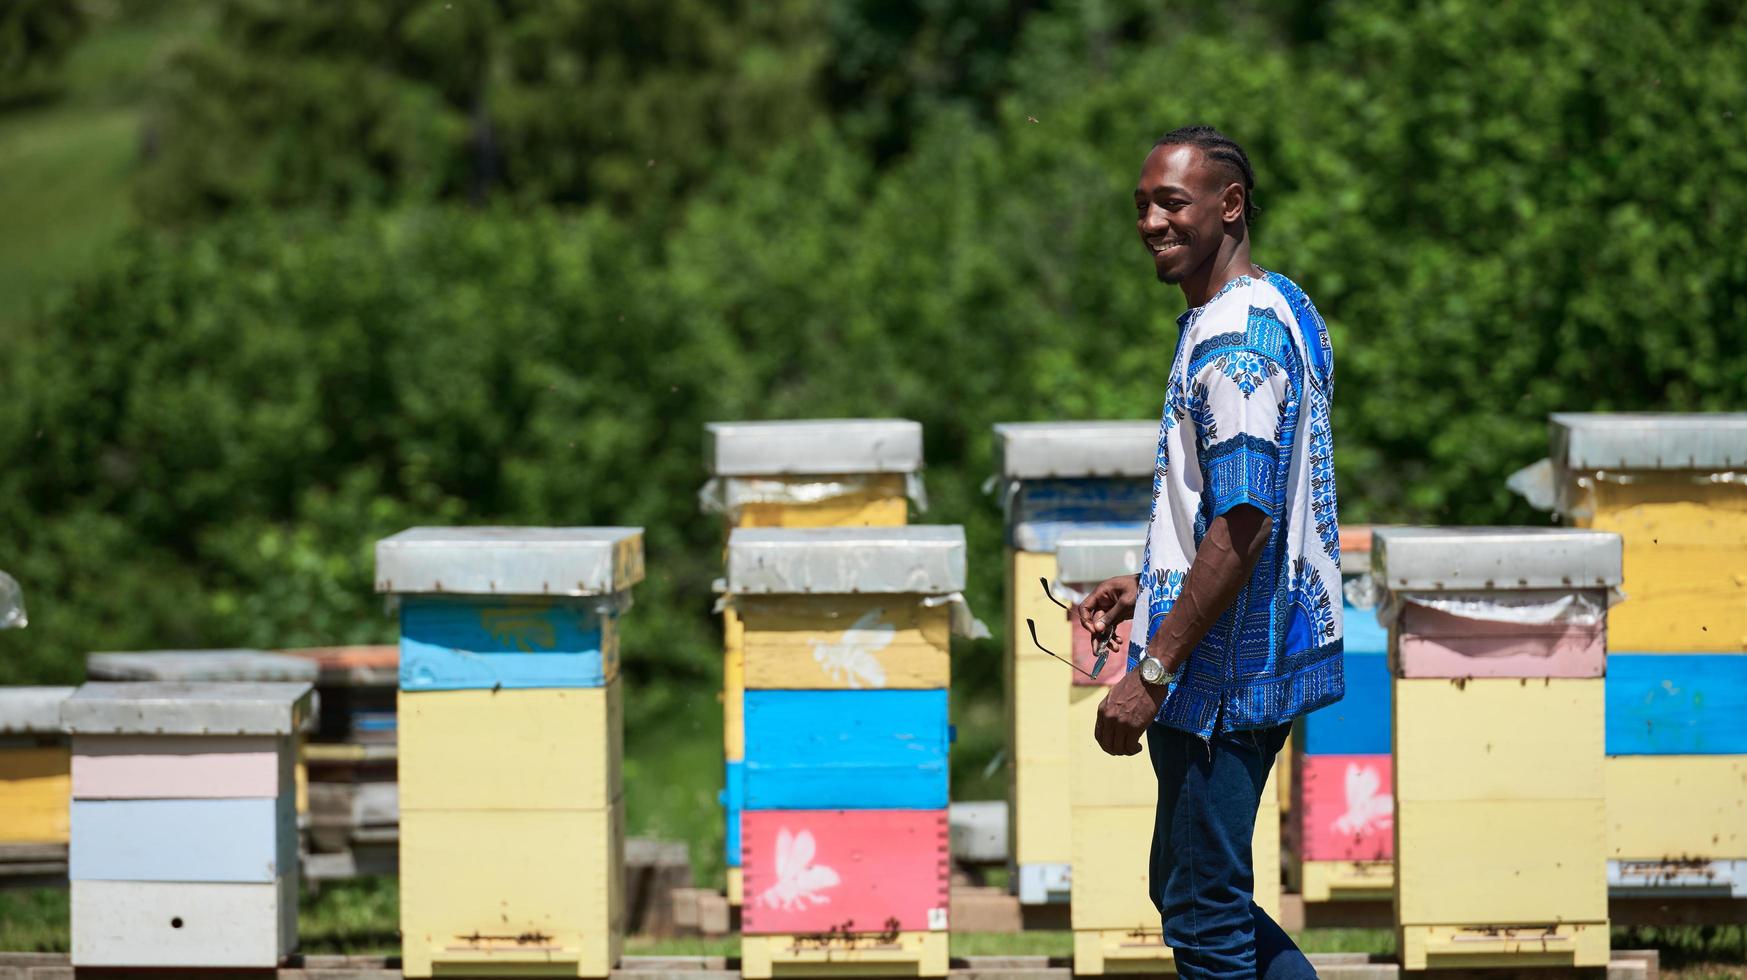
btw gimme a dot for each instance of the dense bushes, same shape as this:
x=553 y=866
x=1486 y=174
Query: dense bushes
x=1501 y=214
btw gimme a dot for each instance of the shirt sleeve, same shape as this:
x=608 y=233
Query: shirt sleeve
x=1242 y=403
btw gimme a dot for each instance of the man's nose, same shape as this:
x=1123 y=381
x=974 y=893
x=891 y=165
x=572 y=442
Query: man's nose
x=1152 y=220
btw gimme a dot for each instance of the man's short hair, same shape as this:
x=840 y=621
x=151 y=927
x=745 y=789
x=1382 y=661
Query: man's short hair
x=1224 y=151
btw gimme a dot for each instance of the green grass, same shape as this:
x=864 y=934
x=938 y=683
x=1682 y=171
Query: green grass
x=67 y=158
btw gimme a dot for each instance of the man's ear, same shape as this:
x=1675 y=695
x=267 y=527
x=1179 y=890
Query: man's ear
x=1231 y=203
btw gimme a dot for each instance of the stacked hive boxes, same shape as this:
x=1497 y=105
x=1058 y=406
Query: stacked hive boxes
x=510 y=721
x=1113 y=799
x=1056 y=477
x=1498 y=640
x=33 y=783
x=844 y=834
x=1342 y=825
x=1674 y=487
x=205 y=666
x=809 y=473
x=354 y=809
x=184 y=837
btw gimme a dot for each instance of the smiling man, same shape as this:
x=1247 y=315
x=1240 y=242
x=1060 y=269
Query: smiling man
x=1239 y=616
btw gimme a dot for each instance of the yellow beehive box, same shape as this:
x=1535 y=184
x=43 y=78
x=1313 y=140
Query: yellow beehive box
x=855 y=641
x=1549 y=946
x=1111 y=848
x=1101 y=779
x=1672 y=807
x=902 y=954
x=1668 y=485
x=1026 y=573
x=1098 y=952
x=1265 y=846
x=1041 y=774
x=530 y=749
x=512 y=892
x=813 y=473
x=1499 y=738
x=1349 y=881
x=1500 y=862
x=35 y=786
x=733 y=686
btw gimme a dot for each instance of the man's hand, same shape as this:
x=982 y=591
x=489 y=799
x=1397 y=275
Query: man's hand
x=1128 y=709
x=1112 y=602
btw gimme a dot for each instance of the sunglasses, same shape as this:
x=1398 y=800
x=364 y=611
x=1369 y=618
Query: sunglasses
x=1100 y=640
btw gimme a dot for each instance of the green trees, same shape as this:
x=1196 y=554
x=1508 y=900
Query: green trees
x=35 y=36
x=1500 y=213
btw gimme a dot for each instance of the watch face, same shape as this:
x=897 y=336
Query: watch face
x=1151 y=670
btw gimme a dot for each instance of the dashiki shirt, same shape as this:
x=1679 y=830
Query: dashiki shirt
x=1246 y=421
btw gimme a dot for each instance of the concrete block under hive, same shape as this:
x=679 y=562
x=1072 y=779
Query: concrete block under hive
x=511 y=746
x=1055 y=478
x=34 y=767
x=1500 y=815
x=1670 y=485
x=183 y=799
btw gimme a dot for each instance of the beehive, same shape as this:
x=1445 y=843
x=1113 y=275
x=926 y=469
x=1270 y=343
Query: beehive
x=354 y=808
x=1672 y=487
x=1499 y=782
x=201 y=666
x=510 y=723
x=806 y=473
x=1341 y=828
x=184 y=836
x=1055 y=478
x=34 y=772
x=844 y=783
x=1113 y=799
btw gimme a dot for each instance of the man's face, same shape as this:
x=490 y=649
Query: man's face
x=1181 y=207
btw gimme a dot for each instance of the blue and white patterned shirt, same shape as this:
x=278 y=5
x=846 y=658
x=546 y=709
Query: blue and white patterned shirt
x=1246 y=421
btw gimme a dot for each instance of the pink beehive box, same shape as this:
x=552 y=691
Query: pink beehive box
x=1433 y=643
x=1347 y=808
x=856 y=871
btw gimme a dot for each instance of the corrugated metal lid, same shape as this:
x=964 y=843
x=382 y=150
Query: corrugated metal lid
x=1411 y=559
x=32 y=709
x=568 y=561
x=1649 y=440
x=1093 y=555
x=918 y=559
x=197 y=665
x=179 y=708
x=1040 y=450
x=813 y=446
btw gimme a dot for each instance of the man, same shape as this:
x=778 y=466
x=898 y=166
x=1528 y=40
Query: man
x=1239 y=592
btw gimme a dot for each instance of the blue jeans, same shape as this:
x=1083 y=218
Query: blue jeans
x=1202 y=879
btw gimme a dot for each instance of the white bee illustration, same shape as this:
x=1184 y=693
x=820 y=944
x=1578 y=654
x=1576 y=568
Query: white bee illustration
x=798 y=880
x=852 y=659
x=1367 y=810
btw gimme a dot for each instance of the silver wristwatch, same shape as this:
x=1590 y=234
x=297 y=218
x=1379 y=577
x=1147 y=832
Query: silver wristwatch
x=1152 y=671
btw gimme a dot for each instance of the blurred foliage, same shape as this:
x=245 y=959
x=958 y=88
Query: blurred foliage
x=35 y=38
x=918 y=210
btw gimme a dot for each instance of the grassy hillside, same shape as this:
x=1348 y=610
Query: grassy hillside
x=68 y=151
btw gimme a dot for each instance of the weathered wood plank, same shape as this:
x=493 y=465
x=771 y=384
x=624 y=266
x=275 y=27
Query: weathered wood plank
x=1676 y=704
x=875 y=750
x=486 y=891
x=549 y=749
x=816 y=870
x=836 y=642
x=478 y=642
x=1499 y=739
